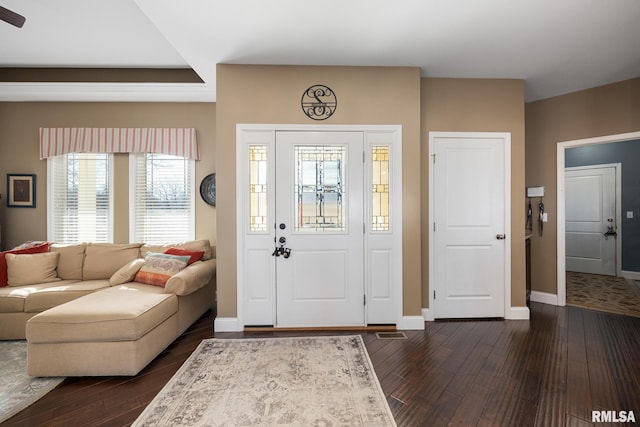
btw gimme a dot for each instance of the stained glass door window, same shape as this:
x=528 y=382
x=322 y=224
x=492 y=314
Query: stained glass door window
x=319 y=187
x=258 y=186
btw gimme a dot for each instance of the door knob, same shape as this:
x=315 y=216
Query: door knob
x=501 y=236
x=611 y=231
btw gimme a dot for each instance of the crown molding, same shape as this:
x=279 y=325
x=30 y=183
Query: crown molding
x=106 y=92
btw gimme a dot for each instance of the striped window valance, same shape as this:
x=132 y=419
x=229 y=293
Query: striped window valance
x=173 y=141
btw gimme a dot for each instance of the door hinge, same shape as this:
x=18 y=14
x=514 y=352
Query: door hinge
x=364 y=156
x=434 y=158
x=364 y=300
x=434 y=294
x=364 y=228
x=434 y=226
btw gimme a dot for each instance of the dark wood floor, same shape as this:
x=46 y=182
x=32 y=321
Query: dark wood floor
x=552 y=370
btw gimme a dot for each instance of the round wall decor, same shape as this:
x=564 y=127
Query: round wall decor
x=208 y=189
x=319 y=102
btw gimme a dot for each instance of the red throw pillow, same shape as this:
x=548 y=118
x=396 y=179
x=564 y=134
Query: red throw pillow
x=193 y=255
x=37 y=249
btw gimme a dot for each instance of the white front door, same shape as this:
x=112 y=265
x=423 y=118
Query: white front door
x=590 y=219
x=319 y=224
x=469 y=230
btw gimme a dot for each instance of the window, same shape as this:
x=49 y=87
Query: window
x=79 y=198
x=380 y=188
x=258 y=188
x=162 y=202
x=320 y=185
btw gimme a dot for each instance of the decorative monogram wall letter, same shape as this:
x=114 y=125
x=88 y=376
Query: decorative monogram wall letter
x=319 y=102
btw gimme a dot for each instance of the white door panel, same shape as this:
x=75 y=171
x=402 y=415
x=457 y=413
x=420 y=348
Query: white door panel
x=590 y=208
x=319 y=211
x=469 y=213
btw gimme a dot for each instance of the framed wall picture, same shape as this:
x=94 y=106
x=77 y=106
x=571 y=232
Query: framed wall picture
x=21 y=190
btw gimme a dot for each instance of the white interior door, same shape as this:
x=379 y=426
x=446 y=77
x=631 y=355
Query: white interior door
x=319 y=218
x=590 y=220
x=470 y=227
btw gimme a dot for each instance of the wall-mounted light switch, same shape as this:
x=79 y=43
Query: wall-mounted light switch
x=629 y=214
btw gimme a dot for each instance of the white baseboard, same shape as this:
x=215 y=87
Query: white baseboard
x=412 y=323
x=631 y=275
x=428 y=315
x=544 y=297
x=227 y=324
x=518 y=313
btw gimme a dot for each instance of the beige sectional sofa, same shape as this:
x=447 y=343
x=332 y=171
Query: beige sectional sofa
x=91 y=318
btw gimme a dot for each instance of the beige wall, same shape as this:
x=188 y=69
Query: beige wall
x=19 y=153
x=475 y=105
x=605 y=110
x=271 y=94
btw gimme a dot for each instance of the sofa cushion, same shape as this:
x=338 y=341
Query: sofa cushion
x=46 y=297
x=31 y=249
x=12 y=299
x=70 y=261
x=30 y=269
x=120 y=313
x=192 y=245
x=158 y=268
x=11 y=302
x=127 y=272
x=193 y=255
x=103 y=259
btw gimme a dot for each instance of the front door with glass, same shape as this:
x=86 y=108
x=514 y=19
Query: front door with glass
x=319 y=226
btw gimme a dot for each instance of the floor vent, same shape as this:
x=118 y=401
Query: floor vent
x=391 y=335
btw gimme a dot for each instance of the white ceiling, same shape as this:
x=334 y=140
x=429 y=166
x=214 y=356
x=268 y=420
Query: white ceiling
x=556 y=46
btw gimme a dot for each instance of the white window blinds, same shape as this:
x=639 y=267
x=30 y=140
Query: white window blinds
x=79 y=198
x=161 y=198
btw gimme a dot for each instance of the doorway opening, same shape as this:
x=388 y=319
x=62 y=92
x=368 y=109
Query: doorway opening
x=564 y=245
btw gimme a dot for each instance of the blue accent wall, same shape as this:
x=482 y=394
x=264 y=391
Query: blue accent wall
x=628 y=154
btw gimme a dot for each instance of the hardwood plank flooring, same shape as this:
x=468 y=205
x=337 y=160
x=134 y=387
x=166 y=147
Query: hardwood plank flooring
x=550 y=371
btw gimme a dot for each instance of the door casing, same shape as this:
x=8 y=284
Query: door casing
x=560 y=298
x=384 y=303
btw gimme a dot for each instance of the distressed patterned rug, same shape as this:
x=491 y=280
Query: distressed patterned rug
x=305 y=381
x=17 y=389
x=603 y=293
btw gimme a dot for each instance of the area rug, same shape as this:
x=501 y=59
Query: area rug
x=603 y=293
x=304 y=381
x=17 y=389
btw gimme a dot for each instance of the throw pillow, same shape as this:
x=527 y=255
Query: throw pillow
x=31 y=269
x=158 y=268
x=193 y=255
x=36 y=249
x=127 y=272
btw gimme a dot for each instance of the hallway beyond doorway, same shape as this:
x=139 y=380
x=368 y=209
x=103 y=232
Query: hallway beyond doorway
x=603 y=293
